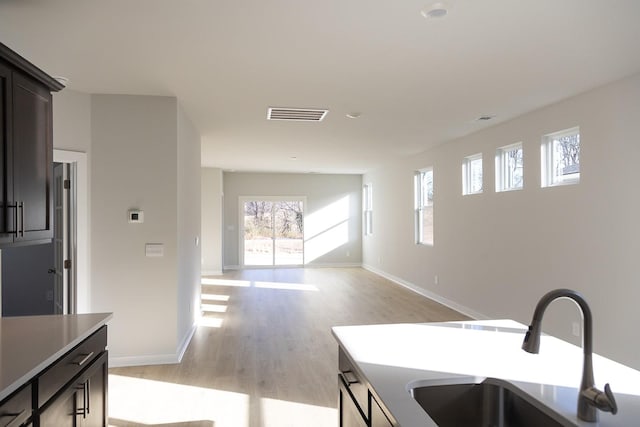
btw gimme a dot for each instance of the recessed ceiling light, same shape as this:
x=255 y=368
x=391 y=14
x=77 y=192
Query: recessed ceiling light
x=436 y=10
x=293 y=158
x=353 y=115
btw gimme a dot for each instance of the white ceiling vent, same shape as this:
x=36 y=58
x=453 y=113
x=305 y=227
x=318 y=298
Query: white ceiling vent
x=296 y=114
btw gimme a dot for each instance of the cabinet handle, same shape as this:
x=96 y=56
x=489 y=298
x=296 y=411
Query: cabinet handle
x=22 y=219
x=83 y=411
x=15 y=219
x=88 y=383
x=84 y=359
x=17 y=418
x=348 y=381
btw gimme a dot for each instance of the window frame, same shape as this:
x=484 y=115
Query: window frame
x=547 y=159
x=504 y=176
x=467 y=174
x=420 y=194
x=367 y=209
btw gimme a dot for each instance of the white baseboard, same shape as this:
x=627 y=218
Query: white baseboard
x=211 y=273
x=155 y=359
x=310 y=265
x=152 y=359
x=428 y=294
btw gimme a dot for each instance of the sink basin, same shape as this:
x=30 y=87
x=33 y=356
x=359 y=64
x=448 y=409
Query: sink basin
x=486 y=402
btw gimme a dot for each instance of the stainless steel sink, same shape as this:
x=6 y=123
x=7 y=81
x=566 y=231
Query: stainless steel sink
x=486 y=402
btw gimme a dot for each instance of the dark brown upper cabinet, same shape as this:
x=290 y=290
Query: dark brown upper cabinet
x=26 y=151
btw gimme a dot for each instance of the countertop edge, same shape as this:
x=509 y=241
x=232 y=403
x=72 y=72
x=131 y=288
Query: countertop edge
x=17 y=384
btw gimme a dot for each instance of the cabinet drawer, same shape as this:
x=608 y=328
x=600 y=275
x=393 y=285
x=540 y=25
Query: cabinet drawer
x=69 y=365
x=16 y=409
x=353 y=381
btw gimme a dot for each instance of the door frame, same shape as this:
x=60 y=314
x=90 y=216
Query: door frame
x=82 y=249
x=241 y=201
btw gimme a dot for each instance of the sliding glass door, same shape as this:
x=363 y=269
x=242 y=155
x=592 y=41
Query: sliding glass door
x=273 y=232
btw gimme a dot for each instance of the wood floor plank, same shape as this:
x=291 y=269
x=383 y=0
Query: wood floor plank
x=274 y=347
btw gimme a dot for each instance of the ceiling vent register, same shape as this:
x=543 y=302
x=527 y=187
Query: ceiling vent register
x=296 y=114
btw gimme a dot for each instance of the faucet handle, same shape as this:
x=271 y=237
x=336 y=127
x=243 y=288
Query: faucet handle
x=607 y=402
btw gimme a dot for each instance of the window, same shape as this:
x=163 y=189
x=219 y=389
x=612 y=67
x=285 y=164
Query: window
x=424 y=206
x=472 y=174
x=509 y=167
x=561 y=158
x=367 y=208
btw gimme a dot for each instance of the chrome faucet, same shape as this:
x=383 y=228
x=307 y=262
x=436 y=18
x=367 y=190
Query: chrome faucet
x=590 y=398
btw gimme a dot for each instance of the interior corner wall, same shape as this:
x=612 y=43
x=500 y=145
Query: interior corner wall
x=498 y=253
x=333 y=212
x=189 y=220
x=133 y=166
x=211 y=221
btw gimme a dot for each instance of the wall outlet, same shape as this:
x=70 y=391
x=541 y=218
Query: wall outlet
x=348 y=253
x=49 y=295
x=436 y=280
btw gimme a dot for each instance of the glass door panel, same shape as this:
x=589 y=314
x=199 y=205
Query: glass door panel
x=258 y=233
x=273 y=232
x=288 y=237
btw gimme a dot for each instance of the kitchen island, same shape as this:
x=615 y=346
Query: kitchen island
x=45 y=360
x=388 y=360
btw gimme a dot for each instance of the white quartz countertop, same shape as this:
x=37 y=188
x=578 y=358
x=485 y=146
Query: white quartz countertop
x=391 y=357
x=30 y=344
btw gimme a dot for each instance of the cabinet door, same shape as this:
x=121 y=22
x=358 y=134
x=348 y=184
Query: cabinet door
x=350 y=415
x=92 y=401
x=378 y=418
x=7 y=213
x=32 y=158
x=61 y=412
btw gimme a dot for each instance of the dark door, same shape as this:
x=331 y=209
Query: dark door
x=32 y=158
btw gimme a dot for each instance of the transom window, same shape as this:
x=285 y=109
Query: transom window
x=509 y=167
x=560 y=152
x=424 y=206
x=472 y=174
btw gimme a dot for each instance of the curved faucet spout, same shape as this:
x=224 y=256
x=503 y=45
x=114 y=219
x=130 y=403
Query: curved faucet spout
x=590 y=397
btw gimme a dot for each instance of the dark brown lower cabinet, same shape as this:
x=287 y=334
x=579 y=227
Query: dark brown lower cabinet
x=378 y=417
x=349 y=412
x=82 y=402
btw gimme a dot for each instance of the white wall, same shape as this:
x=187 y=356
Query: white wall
x=212 y=221
x=72 y=144
x=334 y=203
x=496 y=253
x=189 y=219
x=134 y=166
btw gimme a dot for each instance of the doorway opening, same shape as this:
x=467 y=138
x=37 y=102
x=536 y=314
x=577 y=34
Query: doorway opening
x=272 y=231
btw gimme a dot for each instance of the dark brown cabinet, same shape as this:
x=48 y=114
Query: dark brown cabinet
x=72 y=391
x=82 y=402
x=357 y=405
x=26 y=151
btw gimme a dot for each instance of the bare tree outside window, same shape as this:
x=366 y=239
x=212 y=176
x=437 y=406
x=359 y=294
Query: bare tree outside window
x=561 y=158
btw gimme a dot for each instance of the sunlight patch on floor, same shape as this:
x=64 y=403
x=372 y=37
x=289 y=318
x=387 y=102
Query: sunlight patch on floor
x=150 y=402
x=282 y=413
x=286 y=286
x=214 y=308
x=214 y=297
x=226 y=282
x=210 y=322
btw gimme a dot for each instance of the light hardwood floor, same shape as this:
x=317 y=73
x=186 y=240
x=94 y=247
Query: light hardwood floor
x=268 y=357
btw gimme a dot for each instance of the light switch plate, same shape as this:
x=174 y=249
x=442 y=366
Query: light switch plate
x=154 y=249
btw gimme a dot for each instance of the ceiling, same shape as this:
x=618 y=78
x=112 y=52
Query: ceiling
x=417 y=82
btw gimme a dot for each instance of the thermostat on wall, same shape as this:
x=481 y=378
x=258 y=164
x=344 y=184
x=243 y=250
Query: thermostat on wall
x=136 y=216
